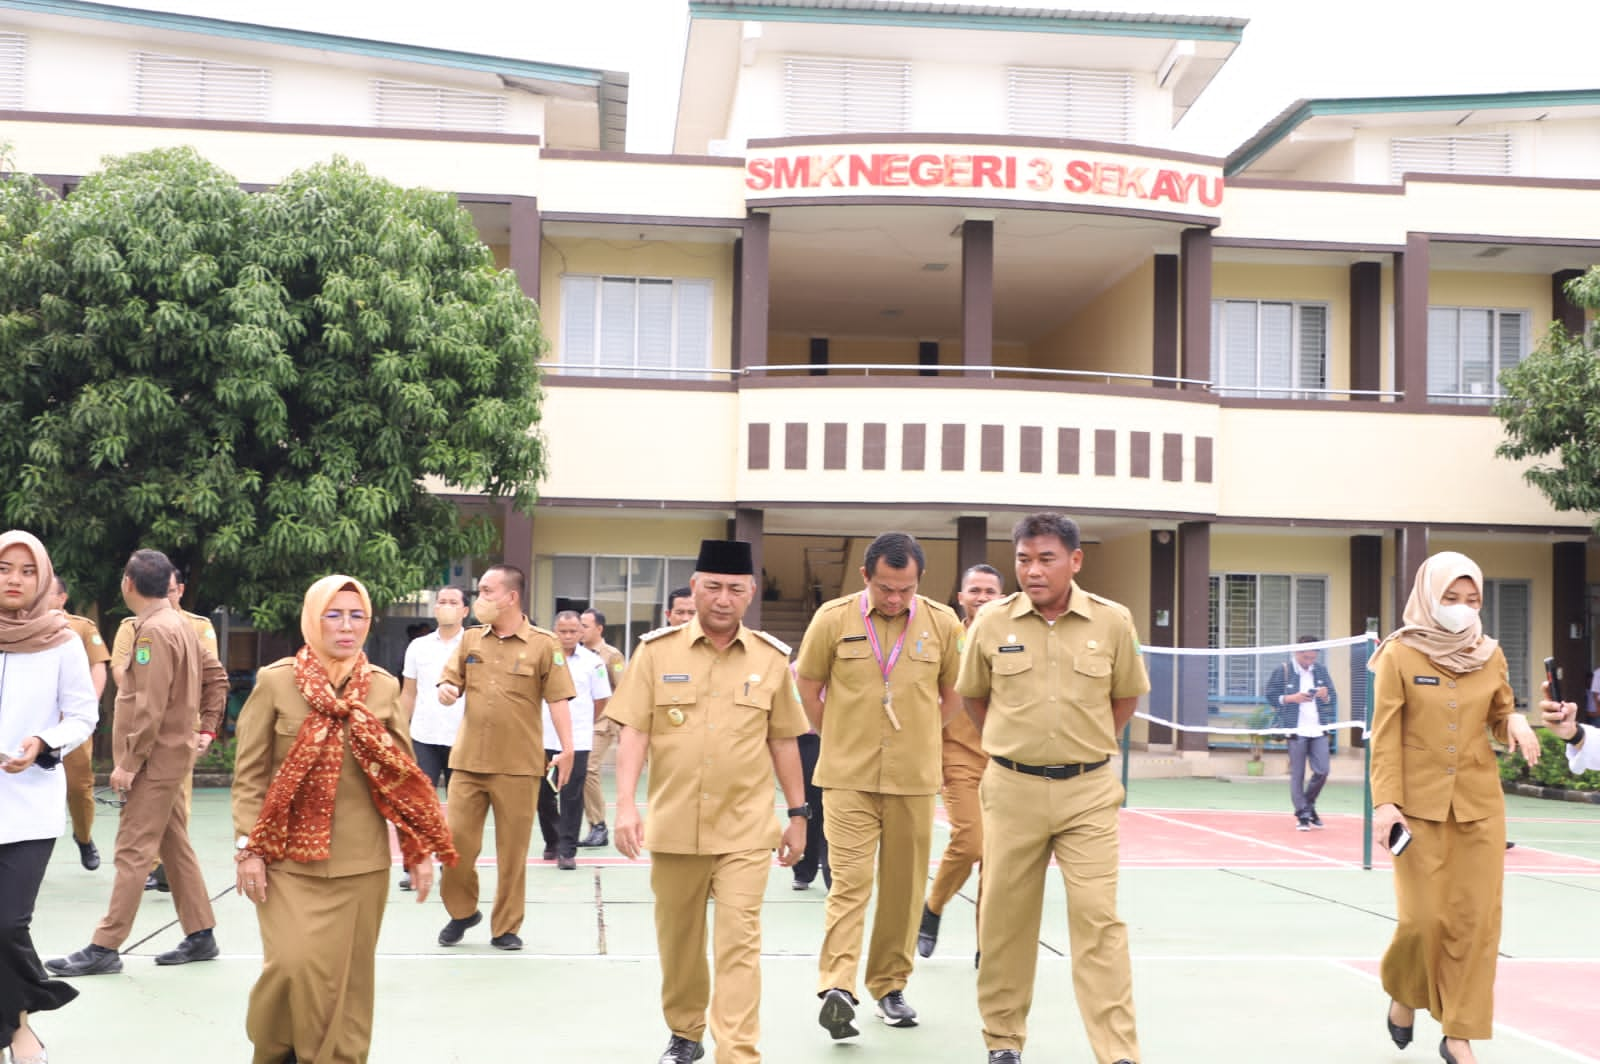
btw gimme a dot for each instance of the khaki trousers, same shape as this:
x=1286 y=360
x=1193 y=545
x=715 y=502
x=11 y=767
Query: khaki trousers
x=513 y=799
x=965 y=848
x=154 y=823
x=319 y=941
x=79 y=767
x=682 y=884
x=186 y=792
x=594 y=799
x=1448 y=888
x=1029 y=819
x=895 y=831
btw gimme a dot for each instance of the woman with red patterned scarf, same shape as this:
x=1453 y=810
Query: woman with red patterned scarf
x=322 y=733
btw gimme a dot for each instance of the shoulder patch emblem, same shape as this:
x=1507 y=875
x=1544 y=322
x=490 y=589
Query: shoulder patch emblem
x=617 y=668
x=557 y=658
x=778 y=644
x=141 y=653
x=96 y=640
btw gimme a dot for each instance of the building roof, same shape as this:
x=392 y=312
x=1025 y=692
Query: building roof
x=1350 y=111
x=935 y=15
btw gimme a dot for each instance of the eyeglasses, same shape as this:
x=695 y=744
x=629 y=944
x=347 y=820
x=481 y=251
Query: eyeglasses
x=340 y=616
x=107 y=796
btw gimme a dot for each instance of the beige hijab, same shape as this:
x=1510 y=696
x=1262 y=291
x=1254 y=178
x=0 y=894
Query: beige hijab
x=318 y=598
x=35 y=627
x=1465 y=651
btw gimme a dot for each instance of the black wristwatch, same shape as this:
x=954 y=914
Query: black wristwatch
x=801 y=811
x=1577 y=737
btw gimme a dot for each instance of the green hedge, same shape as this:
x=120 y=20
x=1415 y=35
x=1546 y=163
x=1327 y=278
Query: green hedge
x=1551 y=771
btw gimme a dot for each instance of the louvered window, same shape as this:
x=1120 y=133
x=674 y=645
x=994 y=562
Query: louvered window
x=823 y=95
x=1084 y=104
x=1468 y=348
x=1259 y=610
x=1505 y=616
x=171 y=86
x=403 y=105
x=1476 y=153
x=13 y=65
x=1268 y=350
x=635 y=326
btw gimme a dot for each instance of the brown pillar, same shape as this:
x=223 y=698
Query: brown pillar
x=972 y=545
x=735 y=358
x=1366 y=327
x=1569 y=616
x=1164 y=315
x=1366 y=615
x=977 y=293
x=1562 y=309
x=747 y=525
x=1196 y=333
x=753 y=274
x=1410 y=551
x=516 y=543
x=527 y=234
x=1162 y=630
x=1194 y=593
x=1411 y=321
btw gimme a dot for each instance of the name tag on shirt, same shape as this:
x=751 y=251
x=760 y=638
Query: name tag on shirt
x=1011 y=648
x=674 y=677
x=854 y=639
x=1425 y=681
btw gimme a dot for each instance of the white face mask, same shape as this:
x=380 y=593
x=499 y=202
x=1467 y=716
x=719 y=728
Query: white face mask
x=1456 y=617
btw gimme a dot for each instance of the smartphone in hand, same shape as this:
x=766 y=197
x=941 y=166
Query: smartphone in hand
x=1399 y=839
x=1550 y=679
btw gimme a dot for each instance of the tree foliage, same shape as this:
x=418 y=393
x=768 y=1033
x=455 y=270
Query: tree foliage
x=1551 y=406
x=260 y=384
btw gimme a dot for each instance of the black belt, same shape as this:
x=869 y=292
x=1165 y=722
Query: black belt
x=1049 y=772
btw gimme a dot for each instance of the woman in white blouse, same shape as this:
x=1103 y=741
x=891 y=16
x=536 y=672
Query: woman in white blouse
x=47 y=707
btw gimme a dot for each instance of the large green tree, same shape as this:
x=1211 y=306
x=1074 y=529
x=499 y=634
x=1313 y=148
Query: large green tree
x=261 y=384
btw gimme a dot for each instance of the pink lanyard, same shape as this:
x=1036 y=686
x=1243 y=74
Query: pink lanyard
x=872 y=636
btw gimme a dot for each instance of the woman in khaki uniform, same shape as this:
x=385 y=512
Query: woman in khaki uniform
x=1441 y=689
x=323 y=760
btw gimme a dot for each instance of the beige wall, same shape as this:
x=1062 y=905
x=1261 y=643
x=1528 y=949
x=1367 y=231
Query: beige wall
x=1503 y=291
x=613 y=443
x=657 y=190
x=1114 y=333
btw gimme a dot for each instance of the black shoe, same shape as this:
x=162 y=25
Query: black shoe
x=452 y=932
x=405 y=882
x=90 y=960
x=550 y=852
x=800 y=884
x=200 y=946
x=159 y=878
x=977 y=958
x=1005 y=1056
x=1400 y=1035
x=681 y=1051
x=567 y=864
x=893 y=1010
x=1316 y=821
x=838 y=1010
x=1444 y=1051
x=509 y=940
x=150 y=882
x=928 y=933
x=88 y=854
x=1302 y=823
x=598 y=836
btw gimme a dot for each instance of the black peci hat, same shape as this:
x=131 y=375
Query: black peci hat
x=726 y=557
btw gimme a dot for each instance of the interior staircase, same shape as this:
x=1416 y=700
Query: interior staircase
x=786 y=620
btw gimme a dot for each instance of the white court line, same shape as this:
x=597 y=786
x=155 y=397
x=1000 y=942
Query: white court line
x=1246 y=838
x=1542 y=1043
x=1345 y=816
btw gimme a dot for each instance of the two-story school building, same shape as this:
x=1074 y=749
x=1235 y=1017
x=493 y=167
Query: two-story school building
x=930 y=267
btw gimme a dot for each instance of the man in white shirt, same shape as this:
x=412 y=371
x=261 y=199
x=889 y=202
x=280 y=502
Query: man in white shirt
x=1583 y=740
x=1300 y=692
x=433 y=726
x=560 y=816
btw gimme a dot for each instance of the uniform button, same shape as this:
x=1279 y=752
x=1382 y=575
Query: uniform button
x=1451 y=771
x=1452 y=683
x=1452 y=705
x=1451 y=726
x=705 y=797
x=1052 y=698
x=1449 y=749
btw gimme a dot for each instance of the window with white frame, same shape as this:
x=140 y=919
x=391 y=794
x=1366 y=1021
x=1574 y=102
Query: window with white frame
x=1471 y=153
x=1506 y=617
x=1085 y=104
x=822 y=94
x=401 y=104
x=174 y=86
x=13 y=67
x=1259 y=610
x=635 y=326
x=630 y=590
x=1468 y=349
x=1269 y=350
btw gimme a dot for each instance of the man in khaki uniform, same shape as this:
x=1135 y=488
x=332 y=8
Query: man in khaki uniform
x=888 y=659
x=168 y=686
x=79 y=764
x=963 y=763
x=1050 y=675
x=605 y=729
x=713 y=705
x=506 y=667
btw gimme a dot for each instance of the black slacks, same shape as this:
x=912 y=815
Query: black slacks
x=560 y=816
x=24 y=984
x=816 y=856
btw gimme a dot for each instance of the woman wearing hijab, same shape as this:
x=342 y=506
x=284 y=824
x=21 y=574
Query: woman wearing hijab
x=1441 y=689
x=47 y=707
x=323 y=761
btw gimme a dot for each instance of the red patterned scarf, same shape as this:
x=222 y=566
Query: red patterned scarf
x=296 y=821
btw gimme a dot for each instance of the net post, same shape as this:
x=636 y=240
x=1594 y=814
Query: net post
x=1366 y=783
x=1127 y=738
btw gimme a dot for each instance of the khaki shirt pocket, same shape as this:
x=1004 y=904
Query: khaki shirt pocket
x=675 y=710
x=1010 y=664
x=1091 y=678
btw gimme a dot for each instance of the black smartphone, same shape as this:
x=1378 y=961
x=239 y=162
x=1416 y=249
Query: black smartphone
x=1550 y=678
x=1399 y=839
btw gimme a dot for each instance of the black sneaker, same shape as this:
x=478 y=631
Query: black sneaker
x=928 y=933
x=157 y=880
x=893 y=1010
x=598 y=836
x=1302 y=823
x=800 y=884
x=1316 y=821
x=509 y=940
x=452 y=932
x=838 y=1012
x=681 y=1051
x=200 y=946
x=88 y=855
x=90 y=960
x=405 y=882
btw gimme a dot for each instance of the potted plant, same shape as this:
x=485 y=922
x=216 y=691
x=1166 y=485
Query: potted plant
x=1261 y=718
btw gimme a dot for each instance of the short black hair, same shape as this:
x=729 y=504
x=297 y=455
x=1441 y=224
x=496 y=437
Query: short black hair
x=516 y=578
x=150 y=571
x=677 y=593
x=177 y=574
x=450 y=587
x=1308 y=639
x=896 y=550
x=1060 y=526
x=986 y=569
x=599 y=618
